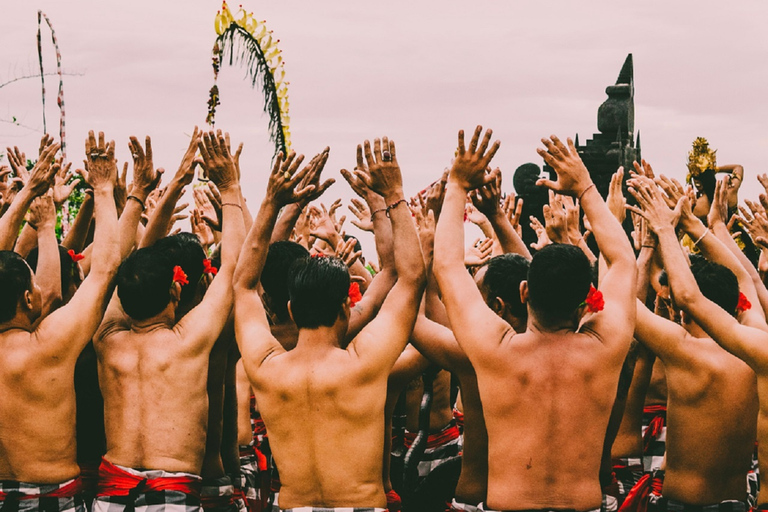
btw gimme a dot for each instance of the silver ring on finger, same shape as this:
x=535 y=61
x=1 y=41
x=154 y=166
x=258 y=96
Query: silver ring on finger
x=386 y=156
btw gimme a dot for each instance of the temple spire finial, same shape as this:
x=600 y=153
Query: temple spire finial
x=626 y=75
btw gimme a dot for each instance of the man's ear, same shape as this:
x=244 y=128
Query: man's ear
x=175 y=292
x=497 y=305
x=290 y=312
x=524 y=292
x=28 y=299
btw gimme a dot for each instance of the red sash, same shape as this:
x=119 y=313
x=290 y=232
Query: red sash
x=247 y=451
x=446 y=435
x=637 y=497
x=394 y=503
x=653 y=431
x=70 y=490
x=114 y=481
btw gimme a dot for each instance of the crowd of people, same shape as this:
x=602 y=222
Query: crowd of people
x=258 y=362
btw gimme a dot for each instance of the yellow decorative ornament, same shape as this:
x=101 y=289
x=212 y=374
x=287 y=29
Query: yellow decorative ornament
x=258 y=50
x=700 y=159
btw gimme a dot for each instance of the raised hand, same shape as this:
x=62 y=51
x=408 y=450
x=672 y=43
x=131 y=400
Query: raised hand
x=18 y=161
x=317 y=164
x=42 y=212
x=572 y=218
x=283 y=186
x=345 y=251
x=363 y=214
x=145 y=177
x=62 y=186
x=41 y=177
x=718 y=211
x=672 y=189
x=186 y=172
x=653 y=207
x=435 y=195
x=205 y=208
x=487 y=199
x=218 y=161
x=379 y=171
x=555 y=220
x=573 y=178
x=469 y=166
x=513 y=209
x=616 y=201
x=542 y=240
x=480 y=252
x=101 y=163
x=201 y=229
x=321 y=224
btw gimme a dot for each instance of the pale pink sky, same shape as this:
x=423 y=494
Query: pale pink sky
x=415 y=71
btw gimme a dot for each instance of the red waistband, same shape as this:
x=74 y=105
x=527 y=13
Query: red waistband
x=114 y=481
x=654 y=408
x=449 y=433
x=637 y=497
x=394 y=503
x=70 y=490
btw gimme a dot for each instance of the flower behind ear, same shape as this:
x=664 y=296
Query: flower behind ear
x=743 y=304
x=75 y=256
x=208 y=268
x=594 y=300
x=179 y=276
x=354 y=294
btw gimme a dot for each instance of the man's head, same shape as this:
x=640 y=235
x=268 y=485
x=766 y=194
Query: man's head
x=274 y=277
x=718 y=284
x=71 y=274
x=558 y=282
x=144 y=282
x=499 y=283
x=17 y=288
x=184 y=250
x=318 y=289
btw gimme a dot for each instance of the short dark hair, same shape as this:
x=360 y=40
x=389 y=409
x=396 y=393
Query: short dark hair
x=274 y=278
x=718 y=284
x=502 y=279
x=317 y=288
x=15 y=279
x=68 y=266
x=707 y=180
x=558 y=281
x=144 y=282
x=184 y=249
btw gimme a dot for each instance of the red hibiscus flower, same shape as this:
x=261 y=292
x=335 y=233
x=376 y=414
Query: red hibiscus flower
x=208 y=268
x=594 y=300
x=354 y=294
x=179 y=276
x=743 y=304
x=75 y=256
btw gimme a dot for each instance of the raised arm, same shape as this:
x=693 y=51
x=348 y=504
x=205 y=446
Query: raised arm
x=487 y=199
x=745 y=342
x=385 y=337
x=40 y=180
x=48 y=271
x=365 y=310
x=68 y=329
x=477 y=328
x=203 y=324
x=613 y=325
x=252 y=331
x=157 y=227
x=78 y=232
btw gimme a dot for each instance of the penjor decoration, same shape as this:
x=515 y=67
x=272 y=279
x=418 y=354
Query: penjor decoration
x=244 y=39
x=60 y=97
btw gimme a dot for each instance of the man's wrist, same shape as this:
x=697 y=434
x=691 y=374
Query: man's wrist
x=393 y=196
x=230 y=194
x=44 y=227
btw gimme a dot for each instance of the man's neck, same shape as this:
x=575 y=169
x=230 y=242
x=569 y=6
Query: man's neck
x=165 y=319
x=536 y=324
x=321 y=338
x=20 y=321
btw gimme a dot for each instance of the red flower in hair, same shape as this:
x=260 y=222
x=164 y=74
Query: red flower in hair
x=743 y=304
x=354 y=294
x=594 y=300
x=317 y=255
x=75 y=256
x=208 y=268
x=179 y=276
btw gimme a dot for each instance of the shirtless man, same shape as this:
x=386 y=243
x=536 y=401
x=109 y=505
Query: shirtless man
x=153 y=368
x=323 y=401
x=38 y=465
x=538 y=387
x=712 y=403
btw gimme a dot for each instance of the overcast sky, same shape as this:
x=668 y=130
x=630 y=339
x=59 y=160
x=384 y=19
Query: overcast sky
x=415 y=71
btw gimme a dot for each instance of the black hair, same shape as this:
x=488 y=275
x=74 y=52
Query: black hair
x=274 y=278
x=718 y=284
x=708 y=181
x=68 y=266
x=15 y=279
x=144 y=282
x=318 y=288
x=558 y=281
x=184 y=249
x=502 y=279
